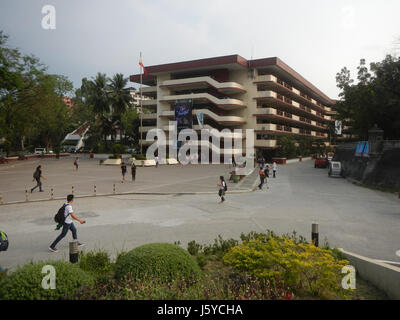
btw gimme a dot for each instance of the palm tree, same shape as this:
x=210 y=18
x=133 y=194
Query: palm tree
x=120 y=98
x=97 y=92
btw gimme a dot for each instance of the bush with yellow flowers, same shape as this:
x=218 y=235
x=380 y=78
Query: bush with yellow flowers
x=302 y=268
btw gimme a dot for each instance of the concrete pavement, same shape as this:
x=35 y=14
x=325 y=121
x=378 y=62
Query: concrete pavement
x=351 y=217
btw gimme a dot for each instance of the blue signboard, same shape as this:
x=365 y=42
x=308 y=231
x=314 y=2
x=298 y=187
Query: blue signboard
x=362 y=149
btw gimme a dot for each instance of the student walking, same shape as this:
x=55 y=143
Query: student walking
x=76 y=163
x=274 y=170
x=123 y=171
x=262 y=178
x=266 y=170
x=68 y=224
x=222 y=188
x=133 y=171
x=36 y=176
x=156 y=159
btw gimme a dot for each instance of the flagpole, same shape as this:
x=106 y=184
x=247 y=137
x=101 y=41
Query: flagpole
x=141 y=108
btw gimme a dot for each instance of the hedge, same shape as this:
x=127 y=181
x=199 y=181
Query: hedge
x=162 y=261
x=26 y=282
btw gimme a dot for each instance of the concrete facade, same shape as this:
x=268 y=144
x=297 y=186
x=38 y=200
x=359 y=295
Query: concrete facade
x=234 y=93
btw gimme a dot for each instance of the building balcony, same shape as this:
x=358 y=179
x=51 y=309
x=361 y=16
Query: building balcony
x=275 y=84
x=204 y=98
x=288 y=130
x=149 y=91
x=220 y=134
x=275 y=115
x=201 y=83
x=223 y=120
x=149 y=116
x=146 y=128
x=283 y=103
x=149 y=103
x=265 y=144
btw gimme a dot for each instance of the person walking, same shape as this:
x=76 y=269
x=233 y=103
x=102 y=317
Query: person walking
x=266 y=171
x=156 y=159
x=274 y=170
x=123 y=171
x=133 y=171
x=222 y=188
x=76 y=163
x=68 y=224
x=262 y=178
x=37 y=175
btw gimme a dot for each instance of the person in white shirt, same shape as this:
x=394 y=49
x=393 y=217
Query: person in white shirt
x=156 y=159
x=274 y=169
x=68 y=224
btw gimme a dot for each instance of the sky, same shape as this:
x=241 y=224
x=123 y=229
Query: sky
x=317 y=38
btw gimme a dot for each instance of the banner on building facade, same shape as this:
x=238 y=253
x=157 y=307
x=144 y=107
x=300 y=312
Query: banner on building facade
x=200 y=119
x=183 y=114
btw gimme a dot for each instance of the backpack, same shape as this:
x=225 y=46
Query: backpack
x=3 y=241
x=60 y=216
x=36 y=174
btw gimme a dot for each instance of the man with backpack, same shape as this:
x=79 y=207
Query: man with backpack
x=64 y=217
x=36 y=176
x=3 y=241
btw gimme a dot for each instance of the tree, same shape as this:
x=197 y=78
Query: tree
x=375 y=99
x=287 y=147
x=31 y=106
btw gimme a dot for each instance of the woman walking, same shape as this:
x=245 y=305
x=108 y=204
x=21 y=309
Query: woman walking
x=36 y=176
x=133 y=170
x=222 y=188
x=123 y=171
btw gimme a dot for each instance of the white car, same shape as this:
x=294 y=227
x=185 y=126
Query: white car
x=39 y=150
x=335 y=169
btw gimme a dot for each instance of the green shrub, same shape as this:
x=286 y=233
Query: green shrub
x=163 y=261
x=26 y=282
x=194 y=248
x=140 y=156
x=305 y=269
x=119 y=148
x=220 y=246
x=96 y=263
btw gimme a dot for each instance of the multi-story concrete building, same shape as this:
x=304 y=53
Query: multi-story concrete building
x=231 y=92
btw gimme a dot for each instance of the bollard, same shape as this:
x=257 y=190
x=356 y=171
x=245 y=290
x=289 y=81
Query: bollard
x=94 y=190
x=26 y=195
x=72 y=189
x=73 y=251
x=114 y=188
x=314 y=234
x=1 y=199
x=52 y=194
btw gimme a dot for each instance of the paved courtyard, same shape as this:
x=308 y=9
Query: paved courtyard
x=357 y=219
x=61 y=176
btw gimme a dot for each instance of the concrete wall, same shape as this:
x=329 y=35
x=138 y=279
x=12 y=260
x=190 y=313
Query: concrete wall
x=379 y=170
x=382 y=275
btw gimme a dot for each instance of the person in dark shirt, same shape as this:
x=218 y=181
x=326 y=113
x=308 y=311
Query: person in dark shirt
x=133 y=170
x=36 y=176
x=123 y=171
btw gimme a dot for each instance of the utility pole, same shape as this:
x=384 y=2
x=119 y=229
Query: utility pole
x=141 y=108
